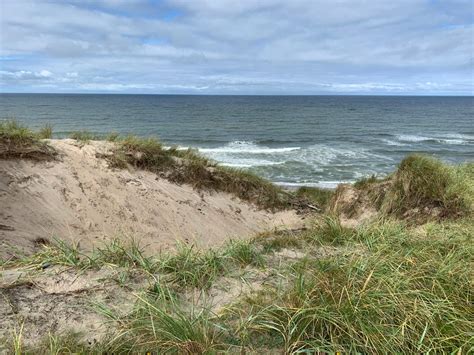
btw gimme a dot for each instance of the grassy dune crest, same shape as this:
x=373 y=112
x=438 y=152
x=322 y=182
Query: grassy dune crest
x=405 y=293
x=421 y=189
x=188 y=167
x=423 y=182
x=18 y=141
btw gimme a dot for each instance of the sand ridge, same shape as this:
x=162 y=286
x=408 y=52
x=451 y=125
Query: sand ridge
x=78 y=197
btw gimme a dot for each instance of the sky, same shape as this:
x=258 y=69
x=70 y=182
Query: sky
x=366 y=47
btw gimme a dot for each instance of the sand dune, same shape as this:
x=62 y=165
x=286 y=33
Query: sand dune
x=77 y=197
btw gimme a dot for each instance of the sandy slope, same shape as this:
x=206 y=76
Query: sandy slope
x=79 y=198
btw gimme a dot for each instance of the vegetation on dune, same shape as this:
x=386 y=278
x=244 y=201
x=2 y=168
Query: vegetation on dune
x=425 y=183
x=187 y=266
x=17 y=141
x=163 y=324
x=16 y=133
x=385 y=286
x=406 y=293
x=422 y=188
x=366 y=181
x=125 y=253
x=188 y=167
x=319 y=196
x=84 y=136
x=45 y=132
x=391 y=288
x=190 y=267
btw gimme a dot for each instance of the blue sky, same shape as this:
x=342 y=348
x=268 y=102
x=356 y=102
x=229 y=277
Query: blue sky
x=238 y=47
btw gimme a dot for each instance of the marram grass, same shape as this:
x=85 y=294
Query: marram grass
x=408 y=293
x=392 y=288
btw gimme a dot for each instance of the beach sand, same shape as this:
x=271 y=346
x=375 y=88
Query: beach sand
x=78 y=198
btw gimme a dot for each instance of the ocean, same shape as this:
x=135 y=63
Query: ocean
x=291 y=140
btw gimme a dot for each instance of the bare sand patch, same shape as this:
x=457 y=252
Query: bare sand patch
x=79 y=198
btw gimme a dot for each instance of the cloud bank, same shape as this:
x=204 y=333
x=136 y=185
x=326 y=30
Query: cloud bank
x=238 y=47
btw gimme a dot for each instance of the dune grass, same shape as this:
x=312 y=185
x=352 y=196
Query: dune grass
x=328 y=230
x=408 y=294
x=424 y=183
x=320 y=197
x=84 y=136
x=422 y=188
x=244 y=253
x=366 y=181
x=162 y=325
x=126 y=253
x=18 y=141
x=278 y=240
x=190 y=267
x=45 y=132
x=188 y=167
x=392 y=288
x=16 y=133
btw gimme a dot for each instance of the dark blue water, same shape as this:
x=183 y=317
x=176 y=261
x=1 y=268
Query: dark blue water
x=305 y=140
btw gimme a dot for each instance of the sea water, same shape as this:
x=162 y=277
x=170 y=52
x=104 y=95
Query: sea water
x=291 y=140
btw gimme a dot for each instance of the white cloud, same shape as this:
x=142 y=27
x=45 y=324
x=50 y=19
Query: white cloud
x=25 y=74
x=308 y=46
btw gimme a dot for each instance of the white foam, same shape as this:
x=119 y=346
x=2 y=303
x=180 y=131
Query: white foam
x=412 y=138
x=451 y=141
x=460 y=136
x=318 y=156
x=320 y=184
x=321 y=154
x=245 y=147
x=450 y=138
x=248 y=163
x=394 y=143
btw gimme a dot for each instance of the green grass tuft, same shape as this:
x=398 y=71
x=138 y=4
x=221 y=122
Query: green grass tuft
x=188 y=167
x=58 y=252
x=84 y=136
x=426 y=183
x=278 y=240
x=330 y=231
x=112 y=137
x=318 y=196
x=163 y=326
x=124 y=254
x=366 y=182
x=46 y=132
x=189 y=267
x=17 y=141
x=16 y=133
x=244 y=253
x=410 y=293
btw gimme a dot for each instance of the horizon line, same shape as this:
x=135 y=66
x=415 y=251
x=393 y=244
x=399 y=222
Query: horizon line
x=197 y=94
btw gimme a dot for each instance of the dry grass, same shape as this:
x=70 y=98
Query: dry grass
x=188 y=167
x=318 y=196
x=17 y=141
x=422 y=188
x=408 y=291
x=390 y=287
x=407 y=294
x=425 y=184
